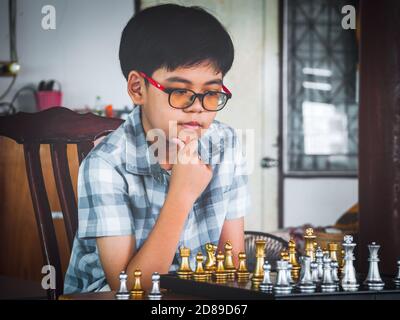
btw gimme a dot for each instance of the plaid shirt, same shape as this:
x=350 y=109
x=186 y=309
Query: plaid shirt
x=121 y=190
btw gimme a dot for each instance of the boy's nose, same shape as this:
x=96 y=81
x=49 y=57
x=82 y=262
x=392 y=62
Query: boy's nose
x=196 y=106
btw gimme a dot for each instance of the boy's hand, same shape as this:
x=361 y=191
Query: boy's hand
x=189 y=176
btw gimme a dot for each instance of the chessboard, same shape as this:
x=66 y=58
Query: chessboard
x=235 y=290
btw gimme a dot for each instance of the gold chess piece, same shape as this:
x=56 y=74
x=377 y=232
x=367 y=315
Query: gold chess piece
x=293 y=259
x=258 y=274
x=220 y=274
x=242 y=273
x=137 y=291
x=210 y=264
x=341 y=267
x=184 y=270
x=333 y=251
x=285 y=255
x=228 y=263
x=199 y=274
x=310 y=237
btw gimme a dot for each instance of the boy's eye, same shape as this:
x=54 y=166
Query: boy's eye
x=180 y=91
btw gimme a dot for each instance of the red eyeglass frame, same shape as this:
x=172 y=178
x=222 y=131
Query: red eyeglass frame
x=162 y=88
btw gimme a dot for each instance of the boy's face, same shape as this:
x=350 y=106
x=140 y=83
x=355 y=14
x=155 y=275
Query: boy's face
x=156 y=111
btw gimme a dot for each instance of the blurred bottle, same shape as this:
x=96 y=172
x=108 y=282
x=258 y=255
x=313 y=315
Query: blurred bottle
x=109 y=111
x=98 y=106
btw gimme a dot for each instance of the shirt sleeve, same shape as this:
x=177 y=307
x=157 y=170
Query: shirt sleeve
x=239 y=196
x=103 y=201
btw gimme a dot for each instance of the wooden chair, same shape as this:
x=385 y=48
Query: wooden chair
x=57 y=127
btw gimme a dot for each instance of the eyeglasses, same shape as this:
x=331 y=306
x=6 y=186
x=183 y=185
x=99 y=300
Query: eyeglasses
x=184 y=98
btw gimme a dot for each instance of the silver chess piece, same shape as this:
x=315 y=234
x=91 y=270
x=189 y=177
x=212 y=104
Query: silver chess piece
x=374 y=280
x=327 y=285
x=319 y=255
x=155 y=293
x=306 y=283
x=289 y=274
x=335 y=268
x=349 y=280
x=282 y=285
x=266 y=284
x=397 y=278
x=314 y=272
x=122 y=293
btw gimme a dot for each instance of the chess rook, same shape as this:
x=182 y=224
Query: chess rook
x=282 y=286
x=184 y=270
x=373 y=280
x=293 y=260
x=122 y=293
x=260 y=255
x=306 y=283
x=327 y=285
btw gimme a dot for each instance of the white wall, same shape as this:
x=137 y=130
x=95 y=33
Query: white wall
x=319 y=201
x=82 y=53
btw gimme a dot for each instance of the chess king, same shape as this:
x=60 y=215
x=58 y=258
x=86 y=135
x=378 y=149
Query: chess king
x=171 y=174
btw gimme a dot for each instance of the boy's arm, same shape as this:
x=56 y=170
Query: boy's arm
x=118 y=253
x=233 y=231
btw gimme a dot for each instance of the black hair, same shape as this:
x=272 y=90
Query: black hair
x=173 y=36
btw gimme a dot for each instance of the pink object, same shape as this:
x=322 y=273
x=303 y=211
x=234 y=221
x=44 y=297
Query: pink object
x=48 y=99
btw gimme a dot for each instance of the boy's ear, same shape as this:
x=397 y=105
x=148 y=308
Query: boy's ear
x=136 y=87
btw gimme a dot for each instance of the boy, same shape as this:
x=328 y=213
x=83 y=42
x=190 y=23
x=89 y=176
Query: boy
x=137 y=207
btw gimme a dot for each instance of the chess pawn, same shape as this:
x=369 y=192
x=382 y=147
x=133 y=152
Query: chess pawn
x=396 y=280
x=319 y=260
x=349 y=280
x=199 y=274
x=314 y=272
x=293 y=260
x=327 y=285
x=122 y=293
x=220 y=274
x=137 y=291
x=335 y=277
x=258 y=274
x=242 y=273
x=306 y=283
x=210 y=264
x=184 y=270
x=266 y=284
x=282 y=286
x=228 y=263
x=374 y=280
x=309 y=238
x=155 y=293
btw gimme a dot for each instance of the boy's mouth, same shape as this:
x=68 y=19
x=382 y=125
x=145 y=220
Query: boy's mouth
x=191 y=125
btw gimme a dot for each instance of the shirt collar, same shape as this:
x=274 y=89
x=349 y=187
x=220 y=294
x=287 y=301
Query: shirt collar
x=139 y=159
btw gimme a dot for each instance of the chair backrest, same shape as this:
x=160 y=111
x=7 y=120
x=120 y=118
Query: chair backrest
x=273 y=247
x=57 y=127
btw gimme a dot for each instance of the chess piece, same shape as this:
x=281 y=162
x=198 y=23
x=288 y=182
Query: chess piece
x=266 y=284
x=314 y=272
x=184 y=270
x=210 y=264
x=335 y=277
x=289 y=274
x=374 y=280
x=309 y=238
x=282 y=286
x=333 y=251
x=137 y=291
x=306 y=283
x=258 y=274
x=327 y=285
x=349 y=280
x=242 y=273
x=341 y=265
x=155 y=293
x=319 y=260
x=122 y=293
x=228 y=263
x=293 y=260
x=199 y=274
x=396 y=280
x=220 y=274
x=285 y=255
